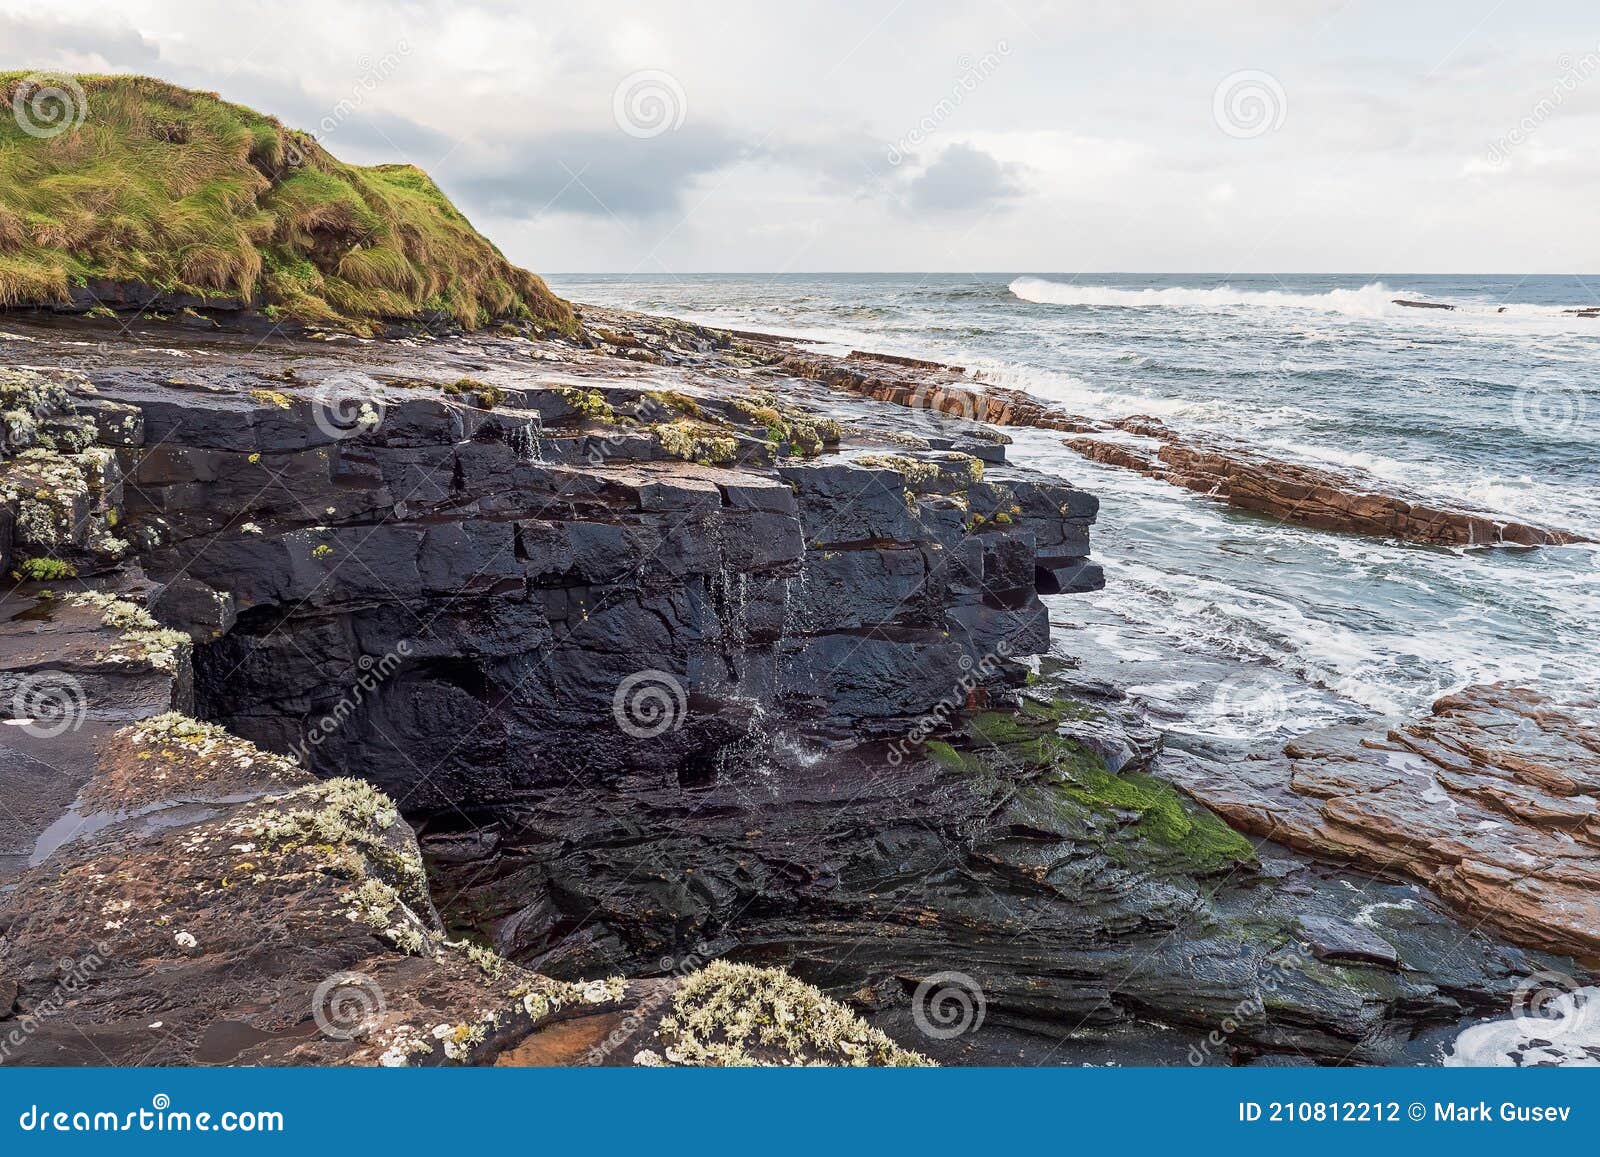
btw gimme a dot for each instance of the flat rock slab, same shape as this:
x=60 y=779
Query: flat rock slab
x=1490 y=800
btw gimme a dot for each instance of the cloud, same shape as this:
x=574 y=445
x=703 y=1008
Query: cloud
x=963 y=179
x=595 y=173
x=34 y=43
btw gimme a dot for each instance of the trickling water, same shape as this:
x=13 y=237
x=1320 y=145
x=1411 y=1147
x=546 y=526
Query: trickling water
x=525 y=441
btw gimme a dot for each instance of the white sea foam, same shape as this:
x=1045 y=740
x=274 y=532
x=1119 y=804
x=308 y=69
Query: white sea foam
x=1566 y=1032
x=1372 y=301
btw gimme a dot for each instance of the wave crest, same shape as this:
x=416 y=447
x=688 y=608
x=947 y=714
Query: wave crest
x=1373 y=300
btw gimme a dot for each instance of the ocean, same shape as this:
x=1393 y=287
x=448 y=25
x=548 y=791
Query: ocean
x=1494 y=404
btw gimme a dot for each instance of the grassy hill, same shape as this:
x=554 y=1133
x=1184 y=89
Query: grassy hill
x=186 y=193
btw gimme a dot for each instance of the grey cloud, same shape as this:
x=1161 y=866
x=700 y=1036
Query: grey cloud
x=962 y=179
x=30 y=42
x=602 y=174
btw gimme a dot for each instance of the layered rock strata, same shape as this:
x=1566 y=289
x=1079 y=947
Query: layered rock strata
x=1493 y=801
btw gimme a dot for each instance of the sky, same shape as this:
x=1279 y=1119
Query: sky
x=1220 y=136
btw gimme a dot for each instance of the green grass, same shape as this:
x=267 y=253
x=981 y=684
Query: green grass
x=185 y=192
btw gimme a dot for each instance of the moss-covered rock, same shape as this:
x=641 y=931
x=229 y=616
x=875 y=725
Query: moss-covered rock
x=210 y=203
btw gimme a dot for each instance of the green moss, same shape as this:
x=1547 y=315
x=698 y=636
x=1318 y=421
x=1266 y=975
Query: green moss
x=591 y=404
x=44 y=570
x=1168 y=830
x=694 y=442
x=185 y=192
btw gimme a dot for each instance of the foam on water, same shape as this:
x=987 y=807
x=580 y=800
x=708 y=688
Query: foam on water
x=1322 y=370
x=1564 y=1031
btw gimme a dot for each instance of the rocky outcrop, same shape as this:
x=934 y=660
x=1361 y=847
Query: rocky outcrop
x=669 y=656
x=1348 y=501
x=1343 y=500
x=1491 y=801
x=218 y=905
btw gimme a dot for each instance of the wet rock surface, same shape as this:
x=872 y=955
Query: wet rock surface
x=1345 y=500
x=1490 y=801
x=672 y=652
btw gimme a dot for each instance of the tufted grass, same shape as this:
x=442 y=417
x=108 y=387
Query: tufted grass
x=187 y=193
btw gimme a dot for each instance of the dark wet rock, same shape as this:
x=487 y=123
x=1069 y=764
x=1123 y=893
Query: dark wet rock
x=1078 y=901
x=1331 y=938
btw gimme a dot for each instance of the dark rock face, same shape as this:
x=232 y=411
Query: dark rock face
x=1074 y=900
x=664 y=668
x=507 y=581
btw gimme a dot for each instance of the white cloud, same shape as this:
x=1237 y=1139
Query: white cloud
x=1092 y=134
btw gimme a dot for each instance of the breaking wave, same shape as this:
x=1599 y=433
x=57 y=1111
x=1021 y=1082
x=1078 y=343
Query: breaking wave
x=1373 y=300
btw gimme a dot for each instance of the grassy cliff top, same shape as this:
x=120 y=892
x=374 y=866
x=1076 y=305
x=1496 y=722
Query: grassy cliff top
x=145 y=182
